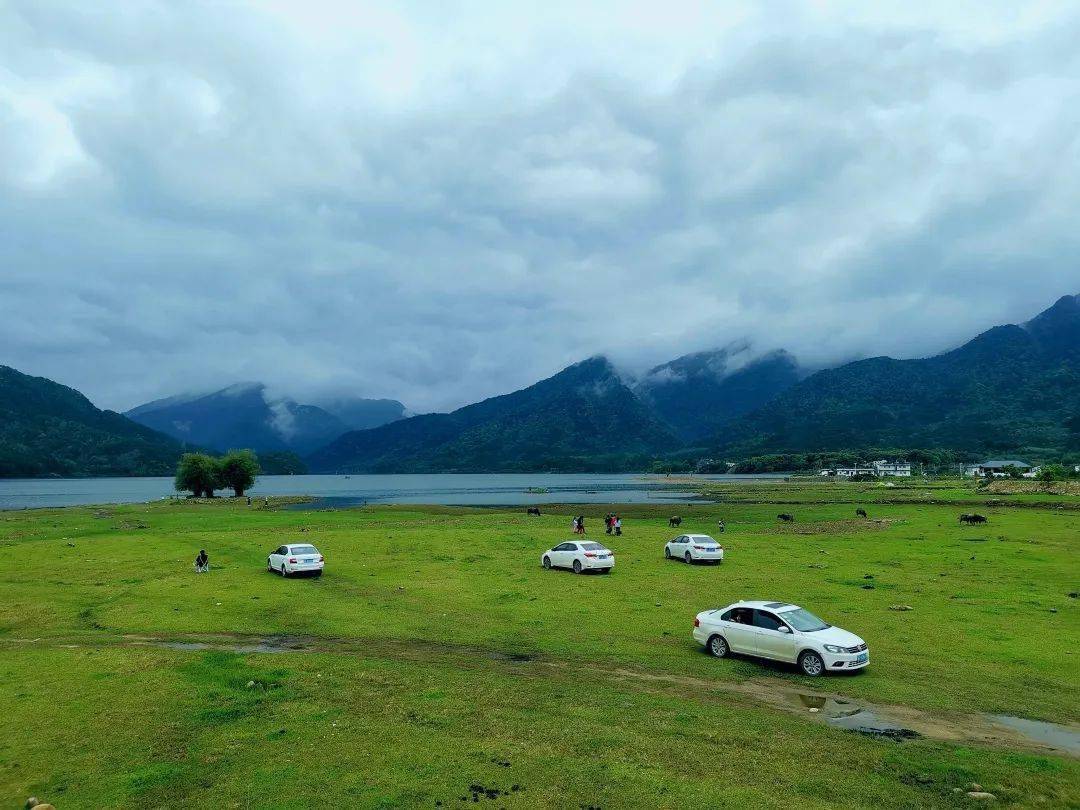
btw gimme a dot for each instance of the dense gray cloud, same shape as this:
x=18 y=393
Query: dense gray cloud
x=440 y=202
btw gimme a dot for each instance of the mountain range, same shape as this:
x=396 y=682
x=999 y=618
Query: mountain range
x=246 y=415
x=48 y=429
x=1014 y=388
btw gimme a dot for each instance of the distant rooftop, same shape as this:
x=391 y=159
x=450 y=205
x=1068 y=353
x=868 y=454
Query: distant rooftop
x=1004 y=462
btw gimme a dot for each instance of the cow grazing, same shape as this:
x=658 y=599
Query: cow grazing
x=674 y=520
x=860 y=513
x=784 y=516
x=971 y=520
x=533 y=510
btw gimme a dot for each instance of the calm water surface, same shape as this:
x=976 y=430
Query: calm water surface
x=339 y=490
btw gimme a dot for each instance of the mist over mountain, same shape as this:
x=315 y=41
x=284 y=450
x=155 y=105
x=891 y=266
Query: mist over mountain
x=699 y=392
x=247 y=415
x=1014 y=387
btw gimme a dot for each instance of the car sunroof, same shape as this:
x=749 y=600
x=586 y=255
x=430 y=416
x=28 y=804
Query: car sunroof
x=775 y=604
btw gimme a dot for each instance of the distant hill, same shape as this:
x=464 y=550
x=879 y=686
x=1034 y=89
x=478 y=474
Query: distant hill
x=1014 y=387
x=583 y=418
x=245 y=415
x=362 y=414
x=50 y=429
x=697 y=393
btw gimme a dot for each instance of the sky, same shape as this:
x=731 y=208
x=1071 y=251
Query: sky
x=439 y=202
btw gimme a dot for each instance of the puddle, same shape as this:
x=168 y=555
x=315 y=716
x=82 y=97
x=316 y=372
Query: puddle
x=844 y=714
x=1058 y=737
x=275 y=644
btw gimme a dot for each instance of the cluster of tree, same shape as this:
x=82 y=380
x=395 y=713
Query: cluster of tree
x=201 y=474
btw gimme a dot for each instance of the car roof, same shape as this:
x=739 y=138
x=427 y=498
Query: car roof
x=700 y=535
x=290 y=545
x=779 y=607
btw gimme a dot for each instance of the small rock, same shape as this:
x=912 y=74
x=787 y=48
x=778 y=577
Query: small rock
x=251 y=684
x=814 y=710
x=31 y=802
x=1053 y=610
x=975 y=787
x=981 y=795
x=658 y=605
x=901 y=607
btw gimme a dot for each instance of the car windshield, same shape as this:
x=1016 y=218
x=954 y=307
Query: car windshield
x=593 y=547
x=803 y=620
x=304 y=550
x=703 y=538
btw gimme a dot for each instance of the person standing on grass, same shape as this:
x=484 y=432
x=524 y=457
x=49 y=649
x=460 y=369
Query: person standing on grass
x=202 y=562
x=618 y=525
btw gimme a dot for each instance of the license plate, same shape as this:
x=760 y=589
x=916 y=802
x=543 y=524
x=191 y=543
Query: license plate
x=309 y=559
x=862 y=659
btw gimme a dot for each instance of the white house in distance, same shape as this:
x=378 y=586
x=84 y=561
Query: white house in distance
x=880 y=468
x=995 y=468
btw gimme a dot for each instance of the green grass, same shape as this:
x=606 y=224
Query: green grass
x=444 y=650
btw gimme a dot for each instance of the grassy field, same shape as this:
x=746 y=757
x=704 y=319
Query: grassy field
x=436 y=664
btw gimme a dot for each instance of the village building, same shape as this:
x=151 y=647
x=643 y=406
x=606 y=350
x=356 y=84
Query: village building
x=882 y=468
x=996 y=468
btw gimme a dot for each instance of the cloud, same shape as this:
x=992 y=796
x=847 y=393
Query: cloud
x=438 y=204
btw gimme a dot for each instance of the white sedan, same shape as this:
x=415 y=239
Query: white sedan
x=781 y=632
x=694 y=548
x=297 y=558
x=580 y=555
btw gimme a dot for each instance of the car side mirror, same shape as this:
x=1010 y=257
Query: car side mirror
x=783 y=629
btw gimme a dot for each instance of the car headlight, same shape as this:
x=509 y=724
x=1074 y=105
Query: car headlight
x=834 y=649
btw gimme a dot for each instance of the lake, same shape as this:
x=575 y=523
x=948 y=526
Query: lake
x=338 y=490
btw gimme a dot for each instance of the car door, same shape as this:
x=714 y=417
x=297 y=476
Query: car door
x=774 y=637
x=277 y=556
x=738 y=629
x=569 y=554
x=560 y=557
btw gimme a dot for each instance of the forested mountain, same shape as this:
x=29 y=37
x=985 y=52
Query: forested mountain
x=583 y=418
x=1014 y=387
x=50 y=429
x=245 y=415
x=697 y=393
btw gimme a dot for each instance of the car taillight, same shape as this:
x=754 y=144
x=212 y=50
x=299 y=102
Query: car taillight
x=321 y=558
x=699 y=548
x=590 y=553
x=697 y=622
x=292 y=560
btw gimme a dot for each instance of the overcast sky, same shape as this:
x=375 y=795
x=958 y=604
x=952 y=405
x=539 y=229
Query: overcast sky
x=439 y=202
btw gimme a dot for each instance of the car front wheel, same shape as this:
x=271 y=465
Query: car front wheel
x=688 y=558
x=811 y=664
x=547 y=562
x=577 y=566
x=718 y=647
x=667 y=553
x=269 y=565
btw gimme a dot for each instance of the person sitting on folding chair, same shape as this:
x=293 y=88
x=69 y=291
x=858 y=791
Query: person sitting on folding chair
x=202 y=562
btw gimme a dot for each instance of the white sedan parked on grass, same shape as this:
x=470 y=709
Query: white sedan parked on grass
x=694 y=548
x=298 y=558
x=781 y=632
x=580 y=555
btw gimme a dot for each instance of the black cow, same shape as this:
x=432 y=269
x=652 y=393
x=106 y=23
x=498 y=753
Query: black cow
x=971 y=520
x=674 y=520
x=533 y=510
x=786 y=517
x=860 y=513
